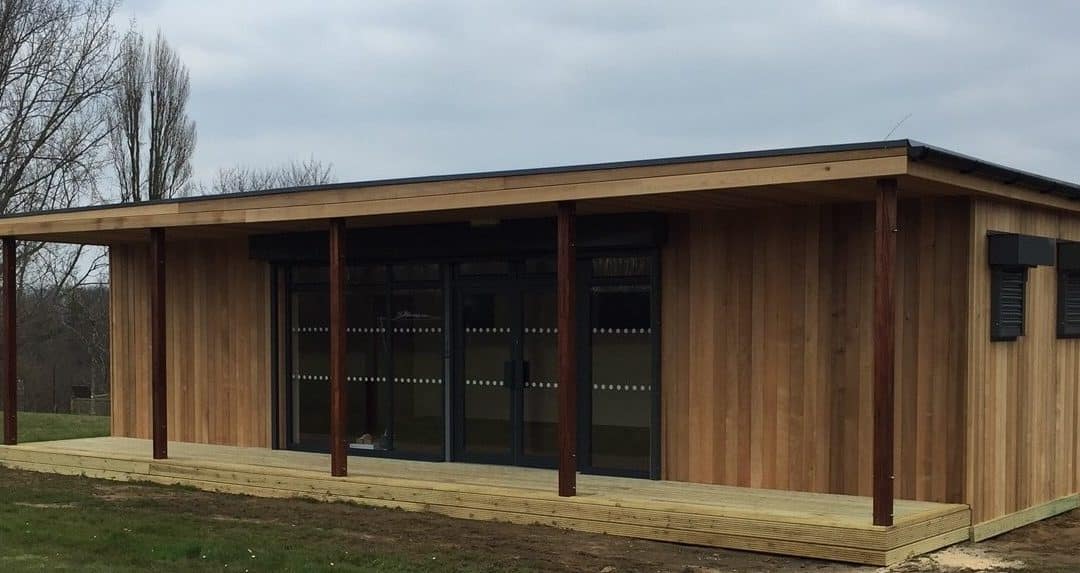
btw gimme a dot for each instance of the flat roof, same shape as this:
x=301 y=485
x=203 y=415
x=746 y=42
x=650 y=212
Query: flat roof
x=747 y=179
x=916 y=151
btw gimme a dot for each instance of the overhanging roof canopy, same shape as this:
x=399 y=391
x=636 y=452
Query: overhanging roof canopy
x=828 y=173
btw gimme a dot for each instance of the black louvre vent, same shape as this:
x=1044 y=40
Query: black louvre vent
x=1068 y=303
x=1007 y=302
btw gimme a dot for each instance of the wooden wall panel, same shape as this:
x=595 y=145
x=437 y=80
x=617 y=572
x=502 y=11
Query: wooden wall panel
x=1024 y=396
x=767 y=352
x=217 y=336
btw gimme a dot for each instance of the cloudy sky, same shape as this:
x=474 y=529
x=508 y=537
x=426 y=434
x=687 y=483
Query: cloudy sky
x=388 y=88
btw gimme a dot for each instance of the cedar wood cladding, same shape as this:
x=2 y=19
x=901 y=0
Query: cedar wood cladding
x=767 y=350
x=217 y=342
x=1024 y=400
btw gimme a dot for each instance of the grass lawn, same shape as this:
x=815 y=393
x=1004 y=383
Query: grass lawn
x=40 y=427
x=67 y=522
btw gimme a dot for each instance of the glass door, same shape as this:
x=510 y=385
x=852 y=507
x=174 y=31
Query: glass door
x=507 y=405
x=539 y=385
x=487 y=373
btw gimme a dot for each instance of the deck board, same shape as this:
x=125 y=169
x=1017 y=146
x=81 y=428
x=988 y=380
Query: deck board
x=796 y=523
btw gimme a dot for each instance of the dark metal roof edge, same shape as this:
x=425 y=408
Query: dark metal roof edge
x=918 y=151
x=834 y=148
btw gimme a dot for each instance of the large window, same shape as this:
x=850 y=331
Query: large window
x=310 y=373
x=495 y=329
x=621 y=377
x=394 y=359
x=417 y=347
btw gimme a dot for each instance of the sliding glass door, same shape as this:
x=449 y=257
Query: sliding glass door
x=457 y=360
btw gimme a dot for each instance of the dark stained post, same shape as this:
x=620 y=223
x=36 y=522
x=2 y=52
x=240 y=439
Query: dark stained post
x=11 y=384
x=884 y=348
x=159 y=400
x=338 y=457
x=567 y=351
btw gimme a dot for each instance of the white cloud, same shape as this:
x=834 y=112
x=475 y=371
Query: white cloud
x=404 y=88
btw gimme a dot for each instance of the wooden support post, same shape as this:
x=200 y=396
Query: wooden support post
x=884 y=339
x=338 y=453
x=567 y=350
x=159 y=398
x=11 y=343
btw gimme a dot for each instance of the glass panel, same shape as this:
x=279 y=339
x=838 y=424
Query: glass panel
x=544 y=266
x=416 y=272
x=621 y=377
x=487 y=360
x=621 y=266
x=367 y=389
x=541 y=412
x=310 y=368
x=484 y=268
x=417 y=328
x=308 y=275
x=366 y=274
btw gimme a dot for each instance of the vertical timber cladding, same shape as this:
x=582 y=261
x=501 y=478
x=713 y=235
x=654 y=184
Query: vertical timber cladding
x=217 y=341
x=1024 y=395
x=767 y=351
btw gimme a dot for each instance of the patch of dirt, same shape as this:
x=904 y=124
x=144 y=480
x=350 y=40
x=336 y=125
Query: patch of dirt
x=959 y=558
x=231 y=519
x=48 y=505
x=121 y=492
x=1049 y=545
x=971 y=558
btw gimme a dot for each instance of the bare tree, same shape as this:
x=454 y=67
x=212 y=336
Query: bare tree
x=56 y=70
x=56 y=65
x=156 y=82
x=126 y=110
x=294 y=174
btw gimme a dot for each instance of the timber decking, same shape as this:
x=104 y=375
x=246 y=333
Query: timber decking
x=824 y=526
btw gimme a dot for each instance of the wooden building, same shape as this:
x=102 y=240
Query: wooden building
x=859 y=352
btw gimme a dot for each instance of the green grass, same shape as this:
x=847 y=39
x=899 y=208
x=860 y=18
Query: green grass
x=40 y=427
x=64 y=522
x=69 y=522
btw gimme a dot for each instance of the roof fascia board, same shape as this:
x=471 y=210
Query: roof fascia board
x=981 y=184
x=435 y=200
